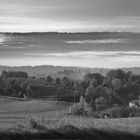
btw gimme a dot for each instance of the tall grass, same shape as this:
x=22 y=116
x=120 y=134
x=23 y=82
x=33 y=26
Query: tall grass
x=78 y=127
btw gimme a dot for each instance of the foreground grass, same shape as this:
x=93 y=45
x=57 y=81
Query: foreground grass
x=20 y=120
x=78 y=128
x=68 y=132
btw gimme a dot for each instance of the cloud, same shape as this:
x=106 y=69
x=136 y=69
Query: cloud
x=104 y=41
x=10 y=47
x=2 y=39
x=88 y=54
x=20 y=23
x=108 y=59
x=3 y=45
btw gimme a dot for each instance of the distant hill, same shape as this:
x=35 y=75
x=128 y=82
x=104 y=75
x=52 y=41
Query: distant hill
x=59 y=71
x=55 y=71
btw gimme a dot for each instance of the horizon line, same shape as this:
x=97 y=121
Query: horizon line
x=68 y=66
x=69 y=32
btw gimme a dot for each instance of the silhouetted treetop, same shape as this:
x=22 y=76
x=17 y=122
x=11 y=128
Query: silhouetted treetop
x=14 y=74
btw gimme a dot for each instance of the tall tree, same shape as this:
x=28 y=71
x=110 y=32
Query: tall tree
x=90 y=92
x=49 y=80
x=98 y=77
x=117 y=74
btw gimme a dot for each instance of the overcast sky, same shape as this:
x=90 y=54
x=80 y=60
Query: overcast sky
x=69 y=15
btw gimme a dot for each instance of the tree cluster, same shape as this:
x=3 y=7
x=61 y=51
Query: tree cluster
x=14 y=84
x=14 y=74
x=117 y=87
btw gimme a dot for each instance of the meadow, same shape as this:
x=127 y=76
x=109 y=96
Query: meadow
x=47 y=119
x=13 y=110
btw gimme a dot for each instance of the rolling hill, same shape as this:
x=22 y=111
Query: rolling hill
x=60 y=71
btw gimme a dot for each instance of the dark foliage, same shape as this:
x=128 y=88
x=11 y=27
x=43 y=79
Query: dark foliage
x=14 y=74
x=40 y=91
x=99 y=78
x=69 y=132
x=117 y=74
x=118 y=87
x=17 y=87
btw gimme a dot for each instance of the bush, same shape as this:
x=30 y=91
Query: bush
x=101 y=103
x=120 y=113
x=135 y=112
x=36 y=123
x=69 y=98
x=77 y=110
x=42 y=91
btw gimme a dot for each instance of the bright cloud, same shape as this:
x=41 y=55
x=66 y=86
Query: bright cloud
x=104 y=41
x=87 y=54
x=81 y=59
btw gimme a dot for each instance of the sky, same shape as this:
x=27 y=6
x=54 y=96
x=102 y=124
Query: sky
x=109 y=50
x=69 y=15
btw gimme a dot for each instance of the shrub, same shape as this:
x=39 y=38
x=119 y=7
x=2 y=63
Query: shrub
x=77 y=110
x=120 y=113
x=42 y=91
x=101 y=103
x=69 y=98
x=33 y=122
x=36 y=123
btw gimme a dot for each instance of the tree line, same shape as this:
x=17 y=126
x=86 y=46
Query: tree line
x=117 y=87
x=15 y=74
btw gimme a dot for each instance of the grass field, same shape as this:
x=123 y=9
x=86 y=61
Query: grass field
x=14 y=113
